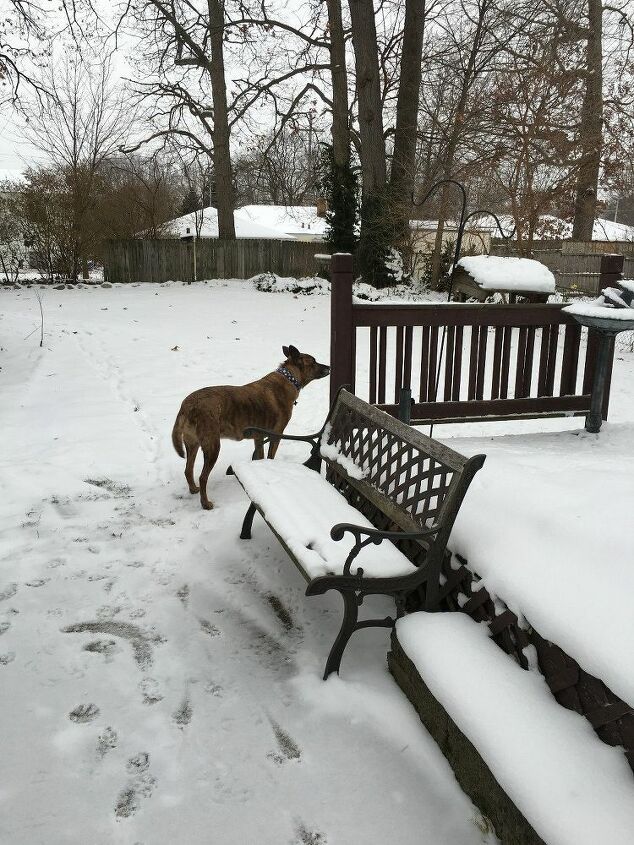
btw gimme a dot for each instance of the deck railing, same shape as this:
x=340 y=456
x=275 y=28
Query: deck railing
x=461 y=361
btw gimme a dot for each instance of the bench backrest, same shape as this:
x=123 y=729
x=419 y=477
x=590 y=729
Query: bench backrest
x=388 y=469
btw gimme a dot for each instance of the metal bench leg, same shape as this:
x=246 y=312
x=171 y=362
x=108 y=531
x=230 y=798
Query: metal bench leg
x=348 y=627
x=245 y=534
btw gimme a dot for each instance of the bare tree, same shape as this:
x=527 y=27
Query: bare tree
x=78 y=120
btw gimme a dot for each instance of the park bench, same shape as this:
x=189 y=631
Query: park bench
x=375 y=522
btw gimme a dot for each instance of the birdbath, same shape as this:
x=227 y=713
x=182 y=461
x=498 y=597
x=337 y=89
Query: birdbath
x=608 y=315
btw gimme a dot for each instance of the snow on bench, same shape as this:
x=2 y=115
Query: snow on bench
x=302 y=507
x=570 y=787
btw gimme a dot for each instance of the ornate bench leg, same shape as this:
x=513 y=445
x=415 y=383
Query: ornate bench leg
x=245 y=534
x=348 y=627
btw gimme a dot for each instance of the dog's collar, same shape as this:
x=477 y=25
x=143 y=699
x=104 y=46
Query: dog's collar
x=289 y=377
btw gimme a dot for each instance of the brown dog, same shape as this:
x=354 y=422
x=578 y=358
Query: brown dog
x=209 y=414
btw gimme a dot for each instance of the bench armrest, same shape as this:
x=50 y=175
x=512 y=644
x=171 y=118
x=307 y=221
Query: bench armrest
x=375 y=536
x=313 y=462
x=275 y=435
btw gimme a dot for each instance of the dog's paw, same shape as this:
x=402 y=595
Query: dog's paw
x=207 y=506
x=193 y=490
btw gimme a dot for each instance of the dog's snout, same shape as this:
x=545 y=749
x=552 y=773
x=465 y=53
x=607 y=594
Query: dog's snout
x=325 y=370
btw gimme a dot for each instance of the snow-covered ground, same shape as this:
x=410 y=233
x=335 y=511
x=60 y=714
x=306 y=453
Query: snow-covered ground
x=160 y=680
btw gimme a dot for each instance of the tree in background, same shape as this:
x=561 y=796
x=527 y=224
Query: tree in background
x=78 y=123
x=182 y=77
x=339 y=186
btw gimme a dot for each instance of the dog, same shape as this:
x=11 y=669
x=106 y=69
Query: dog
x=212 y=413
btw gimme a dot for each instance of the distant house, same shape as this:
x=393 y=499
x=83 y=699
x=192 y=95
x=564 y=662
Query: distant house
x=279 y=222
x=204 y=224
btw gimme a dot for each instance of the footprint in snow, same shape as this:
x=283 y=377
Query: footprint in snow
x=208 y=628
x=105 y=647
x=182 y=595
x=151 y=691
x=183 y=715
x=288 y=749
x=37 y=582
x=106 y=741
x=4 y=627
x=8 y=592
x=304 y=836
x=84 y=713
x=7 y=658
x=141 y=642
x=141 y=786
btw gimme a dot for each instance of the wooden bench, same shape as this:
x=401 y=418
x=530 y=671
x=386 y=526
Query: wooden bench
x=378 y=519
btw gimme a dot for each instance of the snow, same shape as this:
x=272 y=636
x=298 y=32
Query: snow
x=333 y=453
x=298 y=221
x=492 y=272
x=571 y=787
x=604 y=311
x=627 y=284
x=302 y=507
x=546 y=525
x=550 y=226
x=198 y=649
x=208 y=226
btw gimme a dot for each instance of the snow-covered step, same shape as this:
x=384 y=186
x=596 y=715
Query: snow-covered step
x=507 y=738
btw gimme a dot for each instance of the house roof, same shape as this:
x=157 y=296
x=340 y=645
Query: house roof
x=294 y=220
x=245 y=227
x=550 y=226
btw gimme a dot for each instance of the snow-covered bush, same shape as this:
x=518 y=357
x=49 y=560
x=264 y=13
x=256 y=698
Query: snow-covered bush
x=270 y=283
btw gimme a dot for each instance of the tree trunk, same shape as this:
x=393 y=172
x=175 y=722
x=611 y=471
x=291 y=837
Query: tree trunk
x=591 y=134
x=340 y=125
x=404 y=156
x=221 y=136
x=375 y=235
x=366 y=54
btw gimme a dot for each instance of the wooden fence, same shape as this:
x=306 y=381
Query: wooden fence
x=163 y=260
x=575 y=265
x=462 y=362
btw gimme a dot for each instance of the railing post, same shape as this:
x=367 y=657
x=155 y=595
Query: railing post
x=611 y=274
x=342 y=332
x=611 y=271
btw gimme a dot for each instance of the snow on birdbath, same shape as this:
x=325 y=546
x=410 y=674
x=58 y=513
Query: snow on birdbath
x=608 y=315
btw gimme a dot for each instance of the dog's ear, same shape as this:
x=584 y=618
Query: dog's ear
x=285 y=352
x=293 y=352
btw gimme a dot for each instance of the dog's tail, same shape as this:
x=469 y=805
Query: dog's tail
x=177 y=434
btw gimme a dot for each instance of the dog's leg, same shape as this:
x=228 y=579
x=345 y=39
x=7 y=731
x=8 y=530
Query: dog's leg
x=192 y=451
x=211 y=449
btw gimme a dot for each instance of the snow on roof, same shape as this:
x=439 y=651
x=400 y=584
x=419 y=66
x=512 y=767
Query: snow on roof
x=493 y=272
x=608 y=230
x=8 y=174
x=289 y=219
x=245 y=227
x=549 y=226
x=540 y=753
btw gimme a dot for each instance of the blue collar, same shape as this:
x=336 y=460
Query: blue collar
x=289 y=377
